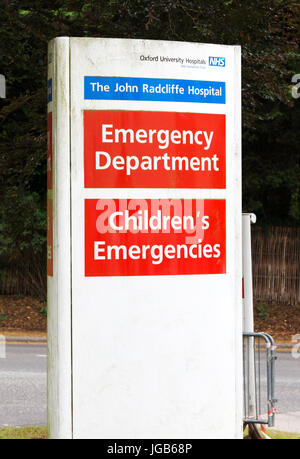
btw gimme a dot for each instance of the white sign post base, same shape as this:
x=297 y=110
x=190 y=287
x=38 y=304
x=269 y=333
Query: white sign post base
x=144 y=240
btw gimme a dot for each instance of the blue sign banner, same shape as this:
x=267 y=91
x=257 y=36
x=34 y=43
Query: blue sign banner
x=49 y=99
x=154 y=89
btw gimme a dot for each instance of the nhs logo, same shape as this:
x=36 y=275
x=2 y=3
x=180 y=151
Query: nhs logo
x=216 y=61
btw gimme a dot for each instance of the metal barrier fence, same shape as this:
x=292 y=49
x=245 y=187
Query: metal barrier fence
x=259 y=365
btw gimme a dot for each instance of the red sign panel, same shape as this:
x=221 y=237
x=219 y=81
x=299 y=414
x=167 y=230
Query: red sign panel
x=132 y=149
x=50 y=201
x=50 y=237
x=140 y=237
x=49 y=153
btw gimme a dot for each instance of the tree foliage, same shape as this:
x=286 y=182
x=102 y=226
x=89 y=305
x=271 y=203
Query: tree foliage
x=268 y=32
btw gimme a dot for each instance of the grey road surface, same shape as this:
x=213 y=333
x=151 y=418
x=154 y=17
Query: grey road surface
x=287 y=391
x=287 y=383
x=23 y=385
x=23 y=388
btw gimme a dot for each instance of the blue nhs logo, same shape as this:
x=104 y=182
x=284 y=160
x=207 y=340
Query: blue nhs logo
x=216 y=61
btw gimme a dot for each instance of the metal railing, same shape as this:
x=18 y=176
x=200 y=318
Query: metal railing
x=259 y=365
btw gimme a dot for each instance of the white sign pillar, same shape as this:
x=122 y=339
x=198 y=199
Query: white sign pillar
x=2 y=87
x=144 y=239
x=248 y=313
